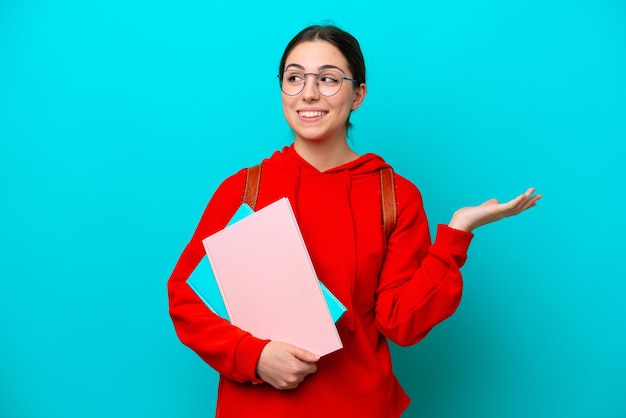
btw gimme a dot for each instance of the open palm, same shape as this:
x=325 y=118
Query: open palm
x=471 y=217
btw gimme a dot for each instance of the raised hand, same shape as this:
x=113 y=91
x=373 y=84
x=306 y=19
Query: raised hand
x=471 y=217
x=284 y=365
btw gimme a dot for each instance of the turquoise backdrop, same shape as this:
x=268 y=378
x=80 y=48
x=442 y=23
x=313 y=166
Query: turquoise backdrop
x=118 y=119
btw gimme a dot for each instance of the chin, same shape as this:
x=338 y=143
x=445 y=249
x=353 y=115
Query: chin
x=312 y=138
x=318 y=134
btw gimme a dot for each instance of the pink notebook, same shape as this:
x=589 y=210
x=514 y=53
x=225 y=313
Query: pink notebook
x=268 y=282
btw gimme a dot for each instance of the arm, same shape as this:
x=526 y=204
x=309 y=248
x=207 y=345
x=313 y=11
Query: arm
x=234 y=353
x=421 y=284
x=228 y=349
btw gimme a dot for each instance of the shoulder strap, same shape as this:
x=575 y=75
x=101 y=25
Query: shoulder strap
x=388 y=201
x=251 y=188
x=387 y=195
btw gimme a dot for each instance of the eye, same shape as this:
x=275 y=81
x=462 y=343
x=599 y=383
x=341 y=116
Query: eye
x=293 y=77
x=330 y=78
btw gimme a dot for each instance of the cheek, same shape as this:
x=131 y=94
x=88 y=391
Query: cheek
x=344 y=101
x=287 y=104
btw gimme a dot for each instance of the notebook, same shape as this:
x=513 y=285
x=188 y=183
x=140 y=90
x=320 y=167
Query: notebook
x=268 y=283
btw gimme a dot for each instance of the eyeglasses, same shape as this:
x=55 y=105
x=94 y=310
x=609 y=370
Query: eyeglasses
x=328 y=82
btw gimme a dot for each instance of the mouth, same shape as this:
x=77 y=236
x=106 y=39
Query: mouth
x=311 y=114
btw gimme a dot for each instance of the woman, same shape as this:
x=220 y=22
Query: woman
x=397 y=288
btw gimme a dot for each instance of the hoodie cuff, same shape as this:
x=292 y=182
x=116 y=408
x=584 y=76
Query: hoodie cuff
x=246 y=358
x=454 y=242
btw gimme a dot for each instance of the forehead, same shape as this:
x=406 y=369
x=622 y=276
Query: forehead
x=313 y=54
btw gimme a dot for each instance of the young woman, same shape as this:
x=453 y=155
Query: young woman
x=394 y=289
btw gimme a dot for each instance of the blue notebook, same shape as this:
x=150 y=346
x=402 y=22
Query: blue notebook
x=202 y=281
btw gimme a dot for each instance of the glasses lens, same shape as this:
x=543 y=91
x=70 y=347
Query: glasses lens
x=329 y=82
x=292 y=82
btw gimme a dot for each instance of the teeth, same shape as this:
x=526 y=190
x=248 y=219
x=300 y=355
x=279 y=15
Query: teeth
x=311 y=114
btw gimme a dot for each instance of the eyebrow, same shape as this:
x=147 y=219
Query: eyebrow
x=321 y=67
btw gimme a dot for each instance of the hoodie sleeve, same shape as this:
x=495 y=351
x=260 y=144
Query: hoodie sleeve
x=229 y=350
x=420 y=284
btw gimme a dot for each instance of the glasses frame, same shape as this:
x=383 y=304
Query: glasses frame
x=317 y=84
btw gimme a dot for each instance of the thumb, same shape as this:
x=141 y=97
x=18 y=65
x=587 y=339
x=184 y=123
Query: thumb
x=492 y=201
x=304 y=355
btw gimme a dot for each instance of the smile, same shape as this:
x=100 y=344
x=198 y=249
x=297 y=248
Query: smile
x=311 y=113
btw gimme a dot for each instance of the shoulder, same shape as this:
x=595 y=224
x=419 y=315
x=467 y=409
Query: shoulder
x=406 y=190
x=231 y=191
x=404 y=187
x=232 y=184
x=236 y=182
x=408 y=197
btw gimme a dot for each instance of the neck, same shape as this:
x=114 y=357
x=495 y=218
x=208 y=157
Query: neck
x=324 y=155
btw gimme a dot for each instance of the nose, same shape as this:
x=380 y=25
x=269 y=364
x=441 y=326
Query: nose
x=310 y=91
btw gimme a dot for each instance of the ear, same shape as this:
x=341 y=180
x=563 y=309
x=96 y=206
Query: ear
x=359 y=96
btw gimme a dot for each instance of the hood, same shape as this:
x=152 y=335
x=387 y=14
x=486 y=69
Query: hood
x=288 y=159
x=296 y=174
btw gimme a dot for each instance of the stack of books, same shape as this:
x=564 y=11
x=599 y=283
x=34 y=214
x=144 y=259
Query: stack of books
x=258 y=275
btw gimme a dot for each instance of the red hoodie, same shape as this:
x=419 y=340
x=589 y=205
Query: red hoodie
x=398 y=293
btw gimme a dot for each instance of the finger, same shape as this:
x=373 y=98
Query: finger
x=310 y=368
x=526 y=199
x=527 y=202
x=532 y=201
x=304 y=355
x=512 y=206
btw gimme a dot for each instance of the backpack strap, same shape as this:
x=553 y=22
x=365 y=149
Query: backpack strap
x=387 y=195
x=251 y=188
x=388 y=201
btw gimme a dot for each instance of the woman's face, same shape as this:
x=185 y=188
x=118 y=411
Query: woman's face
x=311 y=115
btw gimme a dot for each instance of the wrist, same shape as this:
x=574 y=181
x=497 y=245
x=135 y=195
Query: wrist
x=459 y=223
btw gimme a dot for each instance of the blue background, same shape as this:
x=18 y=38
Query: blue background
x=118 y=119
